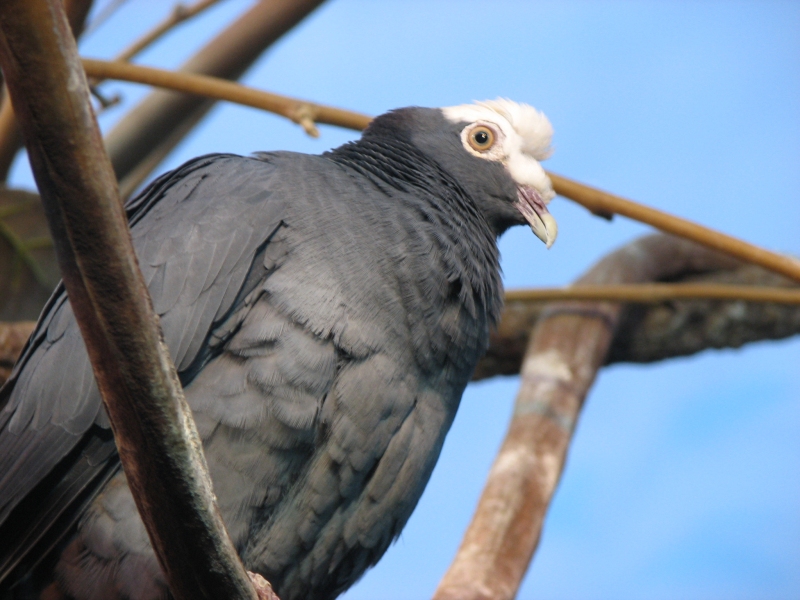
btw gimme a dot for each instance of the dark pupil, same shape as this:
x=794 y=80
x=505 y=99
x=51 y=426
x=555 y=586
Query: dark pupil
x=482 y=137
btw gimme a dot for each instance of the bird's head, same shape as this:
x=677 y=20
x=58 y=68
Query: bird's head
x=493 y=150
x=509 y=137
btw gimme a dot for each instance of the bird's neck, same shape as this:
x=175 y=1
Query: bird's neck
x=470 y=252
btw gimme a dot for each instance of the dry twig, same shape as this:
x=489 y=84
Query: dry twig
x=179 y=14
x=141 y=140
x=651 y=293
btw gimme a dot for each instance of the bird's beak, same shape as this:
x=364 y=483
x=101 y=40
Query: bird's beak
x=530 y=204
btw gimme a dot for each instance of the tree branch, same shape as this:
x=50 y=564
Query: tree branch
x=306 y=113
x=570 y=343
x=143 y=138
x=294 y=109
x=10 y=139
x=666 y=329
x=158 y=444
x=651 y=293
x=600 y=202
x=179 y=14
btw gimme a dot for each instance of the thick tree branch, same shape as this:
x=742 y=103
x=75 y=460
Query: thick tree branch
x=570 y=343
x=155 y=434
x=142 y=139
x=683 y=328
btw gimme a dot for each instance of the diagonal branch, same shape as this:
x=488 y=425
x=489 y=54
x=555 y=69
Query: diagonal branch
x=600 y=202
x=206 y=86
x=144 y=137
x=597 y=201
x=157 y=441
x=178 y=15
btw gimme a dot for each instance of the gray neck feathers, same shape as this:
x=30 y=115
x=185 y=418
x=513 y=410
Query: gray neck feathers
x=469 y=246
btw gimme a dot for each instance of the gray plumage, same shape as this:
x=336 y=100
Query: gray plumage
x=324 y=313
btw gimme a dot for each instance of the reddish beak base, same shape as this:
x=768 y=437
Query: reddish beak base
x=530 y=204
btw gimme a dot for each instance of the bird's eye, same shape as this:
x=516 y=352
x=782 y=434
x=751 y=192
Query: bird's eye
x=481 y=138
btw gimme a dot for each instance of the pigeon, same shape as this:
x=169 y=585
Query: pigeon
x=324 y=312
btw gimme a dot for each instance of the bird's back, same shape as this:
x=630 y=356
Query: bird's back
x=324 y=325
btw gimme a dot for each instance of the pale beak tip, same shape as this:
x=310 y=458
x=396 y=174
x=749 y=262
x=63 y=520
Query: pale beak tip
x=548 y=231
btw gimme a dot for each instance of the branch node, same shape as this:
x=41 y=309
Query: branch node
x=304 y=115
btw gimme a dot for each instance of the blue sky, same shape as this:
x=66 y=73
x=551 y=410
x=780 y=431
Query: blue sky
x=682 y=480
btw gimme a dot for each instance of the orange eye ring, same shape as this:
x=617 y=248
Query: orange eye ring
x=481 y=138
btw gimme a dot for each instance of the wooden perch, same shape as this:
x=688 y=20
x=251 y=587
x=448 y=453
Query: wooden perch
x=155 y=434
x=571 y=341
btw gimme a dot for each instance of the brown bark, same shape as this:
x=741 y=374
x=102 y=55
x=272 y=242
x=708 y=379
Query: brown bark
x=158 y=444
x=151 y=130
x=569 y=344
x=10 y=138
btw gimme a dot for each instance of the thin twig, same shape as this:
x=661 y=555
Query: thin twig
x=307 y=113
x=651 y=293
x=179 y=14
x=146 y=134
x=294 y=109
x=600 y=202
